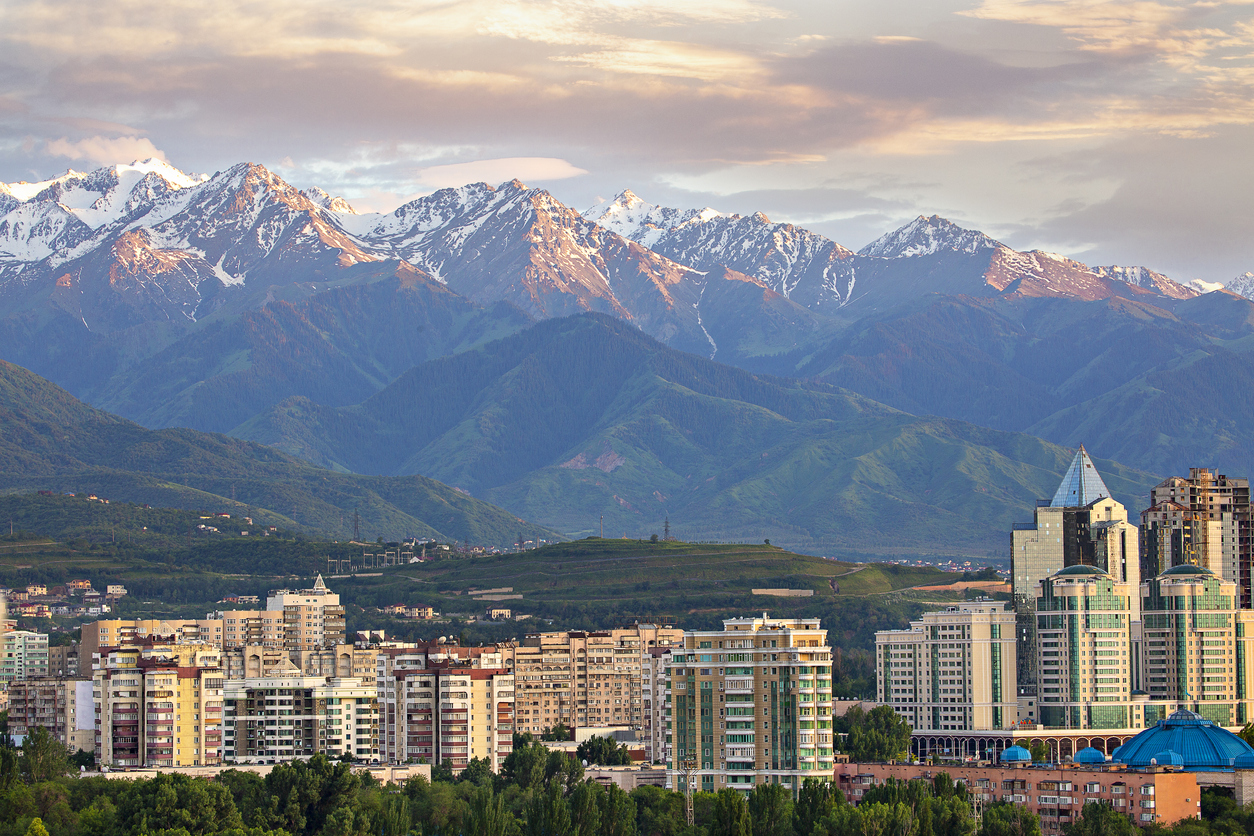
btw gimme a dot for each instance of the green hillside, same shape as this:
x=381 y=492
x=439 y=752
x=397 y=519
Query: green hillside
x=586 y=417
x=51 y=441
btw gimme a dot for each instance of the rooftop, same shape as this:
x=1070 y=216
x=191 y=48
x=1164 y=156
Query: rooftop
x=1081 y=485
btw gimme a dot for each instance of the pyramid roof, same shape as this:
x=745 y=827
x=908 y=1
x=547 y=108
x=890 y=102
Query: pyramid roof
x=1081 y=485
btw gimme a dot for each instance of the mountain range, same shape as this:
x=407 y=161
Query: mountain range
x=236 y=303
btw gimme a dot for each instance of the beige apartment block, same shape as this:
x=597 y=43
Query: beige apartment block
x=583 y=678
x=114 y=632
x=752 y=704
x=342 y=661
x=286 y=714
x=62 y=705
x=433 y=710
x=160 y=705
x=953 y=670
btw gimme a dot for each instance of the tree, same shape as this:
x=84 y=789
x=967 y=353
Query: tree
x=770 y=809
x=585 y=809
x=878 y=735
x=548 y=814
x=36 y=828
x=1097 y=819
x=603 y=751
x=659 y=812
x=201 y=808
x=557 y=733
x=478 y=771
x=1040 y=752
x=487 y=816
x=43 y=756
x=1009 y=820
x=1247 y=733
x=443 y=771
x=618 y=813
x=815 y=802
x=731 y=815
x=394 y=818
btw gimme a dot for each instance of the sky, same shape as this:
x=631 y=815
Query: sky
x=1114 y=132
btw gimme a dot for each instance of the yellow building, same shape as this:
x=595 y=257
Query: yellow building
x=752 y=704
x=159 y=705
x=953 y=670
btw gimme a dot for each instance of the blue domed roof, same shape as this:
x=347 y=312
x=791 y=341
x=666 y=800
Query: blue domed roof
x=1016 y=754
x=1089 y=755
x=1184 y=739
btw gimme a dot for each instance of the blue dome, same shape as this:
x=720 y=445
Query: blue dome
x=1089 y=755
x=1016 y=754
x=1184 y=739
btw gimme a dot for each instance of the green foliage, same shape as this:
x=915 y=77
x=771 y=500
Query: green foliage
x=43 y=756
x=1097 y=819
x=558 y=732
x=1009 y=820
x=36 y=828
x=487 y=815
x=478 y=771
x=603 y=751
x=731 y=816
x=771 y=810
x=816 y=800
x=878 y=735
x=1040 y=751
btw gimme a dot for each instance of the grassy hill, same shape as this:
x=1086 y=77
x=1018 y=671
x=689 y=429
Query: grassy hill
x=52 y=441
x=585 y=417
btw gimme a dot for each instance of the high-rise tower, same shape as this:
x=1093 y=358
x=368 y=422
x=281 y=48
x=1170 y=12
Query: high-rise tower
x=1203 y=520
x=1081 y=526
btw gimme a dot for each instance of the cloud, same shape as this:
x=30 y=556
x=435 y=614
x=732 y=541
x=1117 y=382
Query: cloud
x=527 y=169
x=105 y=150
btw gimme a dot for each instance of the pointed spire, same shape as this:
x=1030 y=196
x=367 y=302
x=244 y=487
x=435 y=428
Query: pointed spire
x=319 y=586
x=1082 y=484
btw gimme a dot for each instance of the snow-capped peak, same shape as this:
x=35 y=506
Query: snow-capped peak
x=632 y=217
x=1242 y=285
x=24 y=191
x=925 y=236
x=320 y=197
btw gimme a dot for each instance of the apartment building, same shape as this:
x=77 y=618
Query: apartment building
x=285 y=714
x=1193 y=648
x=583 y=678
x=653 y=684
x=435 y=709
x=341 y=661
x=63 y=660
x=159 y=705
x=752 y=703
x=953 y=670
x=1084 y=629
x=25 y=655
x=1203 y=520
x=312 y=618
x=1057 y=795
x=116 y=632
x=62 y=705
